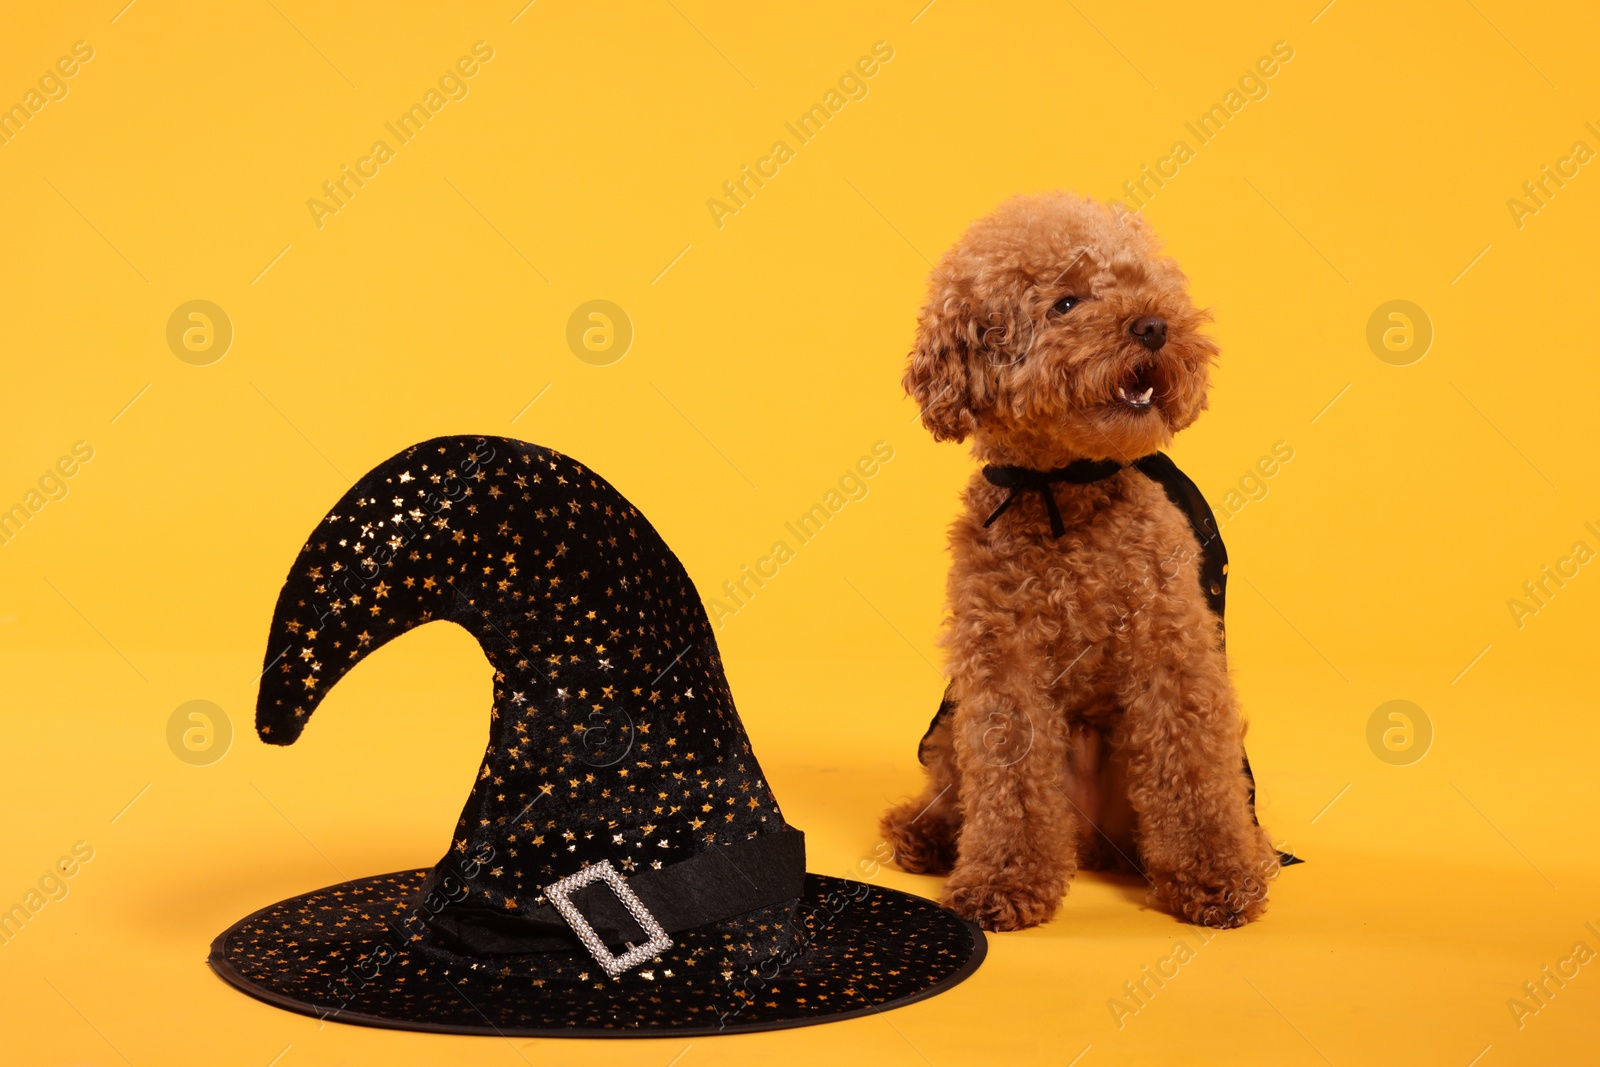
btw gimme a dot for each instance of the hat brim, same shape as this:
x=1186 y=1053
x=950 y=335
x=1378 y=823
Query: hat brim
x=335 y=953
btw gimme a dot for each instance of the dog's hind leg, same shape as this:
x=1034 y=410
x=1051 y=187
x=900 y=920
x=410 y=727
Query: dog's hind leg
x=1097 y=785
x=923 y=831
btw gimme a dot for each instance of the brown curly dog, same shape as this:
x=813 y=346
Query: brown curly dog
x=1091 y=719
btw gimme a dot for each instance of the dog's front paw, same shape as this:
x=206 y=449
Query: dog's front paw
x=999 y=903
x=1221 y=897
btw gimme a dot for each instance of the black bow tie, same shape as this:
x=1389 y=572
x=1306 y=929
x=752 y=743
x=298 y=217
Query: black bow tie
x=1024 y=479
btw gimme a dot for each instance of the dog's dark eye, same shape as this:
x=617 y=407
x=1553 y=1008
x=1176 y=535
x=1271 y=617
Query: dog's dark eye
x=1066 y=304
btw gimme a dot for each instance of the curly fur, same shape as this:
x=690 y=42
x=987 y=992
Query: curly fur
x=1095 y=723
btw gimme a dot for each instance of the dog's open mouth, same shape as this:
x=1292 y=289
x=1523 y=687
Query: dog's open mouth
x=1137 y=390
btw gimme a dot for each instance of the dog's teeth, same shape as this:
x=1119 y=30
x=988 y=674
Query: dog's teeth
x=1144 y=397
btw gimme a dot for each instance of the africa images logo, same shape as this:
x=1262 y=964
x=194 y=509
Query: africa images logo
x=452 y=85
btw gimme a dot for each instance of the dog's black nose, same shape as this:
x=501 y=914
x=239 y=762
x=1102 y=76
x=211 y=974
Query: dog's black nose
x=1151 y=332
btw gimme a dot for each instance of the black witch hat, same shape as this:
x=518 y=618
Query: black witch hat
x=621 y=866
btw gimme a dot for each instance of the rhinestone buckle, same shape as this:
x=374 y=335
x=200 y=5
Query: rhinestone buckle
x=557 y=894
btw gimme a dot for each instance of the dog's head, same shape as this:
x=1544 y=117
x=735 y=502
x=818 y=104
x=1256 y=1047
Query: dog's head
x=1056 y=330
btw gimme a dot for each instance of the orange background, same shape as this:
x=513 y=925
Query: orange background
x=764 y=362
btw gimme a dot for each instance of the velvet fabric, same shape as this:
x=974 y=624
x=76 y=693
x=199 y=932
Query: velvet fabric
x=613 y=738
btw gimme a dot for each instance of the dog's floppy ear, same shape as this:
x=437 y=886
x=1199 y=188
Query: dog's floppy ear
x=938 y=375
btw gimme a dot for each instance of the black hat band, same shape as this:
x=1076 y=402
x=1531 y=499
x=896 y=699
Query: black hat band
x=717 y=884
